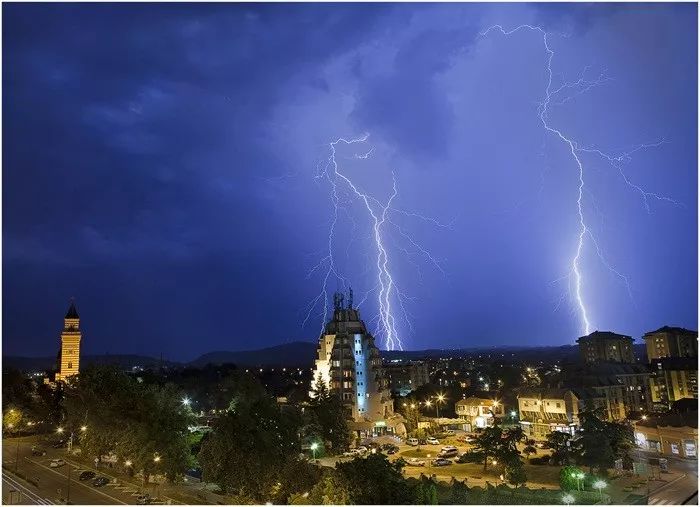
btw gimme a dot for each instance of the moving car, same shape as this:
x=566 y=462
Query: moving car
x=38 y=451
x=412 y=441
x=415 y=462
x=448 y=451
x=55 y=463
x=100 y=481
x=86 y=475
x=441 y=462
x=433 y=441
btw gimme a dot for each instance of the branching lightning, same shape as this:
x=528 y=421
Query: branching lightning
x=552 y=97
x=391 y=300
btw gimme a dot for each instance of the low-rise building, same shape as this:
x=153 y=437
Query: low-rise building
x=478 y=412
x=543 y=410
x=671 y=434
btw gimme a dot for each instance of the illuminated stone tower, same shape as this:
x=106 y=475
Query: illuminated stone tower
x=349 y=363
x=69 y=357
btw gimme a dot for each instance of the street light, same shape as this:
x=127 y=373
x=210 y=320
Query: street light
x=599 y=485
x=568 y=499
x=83 y=428
x=156 y=459
x=127 y=463
x=579 y=478
x=314 y=446
x=59 y=429
x=186 y=401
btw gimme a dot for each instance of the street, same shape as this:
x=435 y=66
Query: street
x=51 y=485
x=681 y=491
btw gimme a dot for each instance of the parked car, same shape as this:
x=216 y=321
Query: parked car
x=86 y=475
x=412 y=441
x=100 y=481
x=38 y=451
x=433 y=441
x=362 y=449
x=415 y=462
x=350 y=453
x=144 y=499
x=469 y=457
x=392 y=450
x=448 y=451
x=468 y=438
x=59 y=444
x=55 y=463
x=441 y=462
x=450 y=432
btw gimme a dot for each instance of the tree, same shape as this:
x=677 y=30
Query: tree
x=515 y=472
x=569 y=478
x=599 y=443
x=375 y=480
x=296 y=477
x=487 y=443
x=459 y=493
x=529 y=449
x=411 y=415
x=145 y=424
x=559 y=443
x=251 y=444
x=327 y=419
x=330 y=490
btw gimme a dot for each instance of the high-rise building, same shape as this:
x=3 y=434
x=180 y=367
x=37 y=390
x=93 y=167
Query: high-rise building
x=671 y=342
x=349 y=363
x=69 y=356
x=606 y=347
x=406 y=376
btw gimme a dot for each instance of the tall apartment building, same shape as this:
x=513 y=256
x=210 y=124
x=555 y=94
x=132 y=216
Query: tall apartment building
x=671 y=342
x=69 y=355
x=606 y=347
x=406 y=376
x=543 y=410
x=349 y=363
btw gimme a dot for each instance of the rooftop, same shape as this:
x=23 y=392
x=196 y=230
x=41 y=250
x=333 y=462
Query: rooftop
x=674 y=330
x=604 y=335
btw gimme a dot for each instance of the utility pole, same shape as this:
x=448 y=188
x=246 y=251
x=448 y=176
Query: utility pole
x=17 y=457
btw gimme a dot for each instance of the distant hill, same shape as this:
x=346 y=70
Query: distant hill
x=287 y=354
x=49 y=363
x=303 y=354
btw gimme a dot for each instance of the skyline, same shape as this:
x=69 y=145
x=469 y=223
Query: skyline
x=176 y=194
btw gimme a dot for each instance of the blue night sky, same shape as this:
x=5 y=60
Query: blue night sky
x=168 y=165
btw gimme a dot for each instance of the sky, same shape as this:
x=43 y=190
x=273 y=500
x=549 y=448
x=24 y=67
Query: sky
x=178 y=169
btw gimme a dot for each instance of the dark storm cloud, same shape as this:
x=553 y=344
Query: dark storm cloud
x=158 y=158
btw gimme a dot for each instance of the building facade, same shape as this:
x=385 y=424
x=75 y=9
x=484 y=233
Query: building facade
x=69 y=355
x=675 y=378
x=673 y=435
x=606 y=347
x=406 y=376
x=349 y=363
x=543 y=410
x=671 y=342
x=478 y=412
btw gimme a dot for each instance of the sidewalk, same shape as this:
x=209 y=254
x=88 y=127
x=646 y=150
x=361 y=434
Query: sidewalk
x=621 y=488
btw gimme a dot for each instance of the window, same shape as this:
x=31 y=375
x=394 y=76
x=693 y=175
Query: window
x=558 y=405
x=70 y=365
x=674 y=448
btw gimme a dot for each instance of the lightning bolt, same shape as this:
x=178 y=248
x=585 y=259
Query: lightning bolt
x=390 y=299
x=579 y=87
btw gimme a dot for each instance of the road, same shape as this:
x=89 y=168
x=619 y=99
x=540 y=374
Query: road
x=680 y=491
x=52 y=485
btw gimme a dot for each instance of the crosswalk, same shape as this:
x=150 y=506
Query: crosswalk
x=661 y=501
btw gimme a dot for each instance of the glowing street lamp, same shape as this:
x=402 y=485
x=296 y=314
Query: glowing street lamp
x=128 y=463
x=156 y=459
x=568 y=499
x=314 y=446
x=599 y=485
x=186 y=401
x=59 y=430
x=83 y=428
x=579 y=479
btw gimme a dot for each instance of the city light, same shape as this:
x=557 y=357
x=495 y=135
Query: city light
x=156 y=459
x=599 y=485
x=127 y=463
x=314 y=446
x=83 y=428
x=568 y=499
x=59 y=429
x=513 y=413
x=186 y=401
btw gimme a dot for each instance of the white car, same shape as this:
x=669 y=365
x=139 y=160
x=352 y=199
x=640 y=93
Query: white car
x=412 y=441
x=415 y=462
x=362 y=449
x=55 y=463
x=433 y=441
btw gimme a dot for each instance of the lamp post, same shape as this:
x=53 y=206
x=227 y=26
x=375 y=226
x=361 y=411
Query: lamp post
x=579 y=479
x=599 y=485
x=440 y=398
x=314 y=446
x=568 y=499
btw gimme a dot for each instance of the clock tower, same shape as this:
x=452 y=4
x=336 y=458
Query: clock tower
x=69 y=358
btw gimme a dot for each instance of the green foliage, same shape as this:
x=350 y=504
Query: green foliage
x=529 y=448
x=327 y=420
x=600 y=442
x=375 y=480
x=558 y=442
x=332 y=489
x=515 y=473
x=146 y=425
x=568 y=478
x=459 y=493
x=295 y=478
x=487 y=443
x=251 y=444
